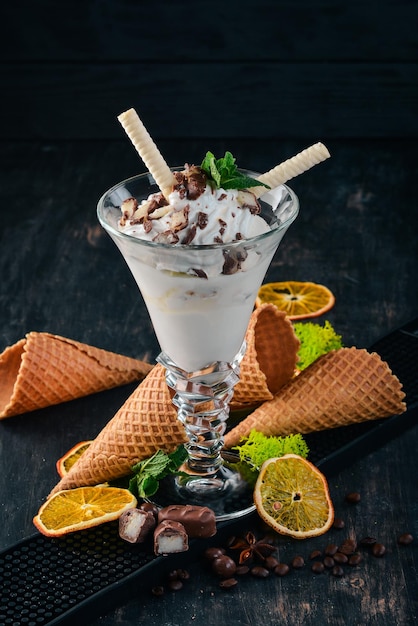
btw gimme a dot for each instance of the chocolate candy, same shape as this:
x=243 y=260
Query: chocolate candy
x=199 y=521
x=135 y=525
x=170 y=537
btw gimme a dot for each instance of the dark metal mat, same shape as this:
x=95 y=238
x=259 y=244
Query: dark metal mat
x=81 y=576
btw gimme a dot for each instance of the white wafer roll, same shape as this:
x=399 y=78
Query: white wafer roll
x=147 y=150
x=292 y=167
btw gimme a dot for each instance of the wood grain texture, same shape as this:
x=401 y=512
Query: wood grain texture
x=161 y=31
x=356 y=233
x=269 y=101
x=241 y=69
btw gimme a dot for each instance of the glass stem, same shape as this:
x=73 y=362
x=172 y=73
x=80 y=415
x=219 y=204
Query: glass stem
x=202 y=400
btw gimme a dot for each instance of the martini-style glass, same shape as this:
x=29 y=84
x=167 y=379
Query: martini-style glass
x=200 y=299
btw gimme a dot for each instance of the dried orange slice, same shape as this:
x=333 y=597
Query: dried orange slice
x=299 y=300
x=292 y=496
x=81 y=508
x=69 y=458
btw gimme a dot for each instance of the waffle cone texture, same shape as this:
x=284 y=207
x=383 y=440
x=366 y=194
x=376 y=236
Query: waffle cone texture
x=270 y=358
x=343 y=387
x=145 y=423
x=44 y=369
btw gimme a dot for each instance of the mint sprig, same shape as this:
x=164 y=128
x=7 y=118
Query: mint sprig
x=149 y=472
x=225 y=174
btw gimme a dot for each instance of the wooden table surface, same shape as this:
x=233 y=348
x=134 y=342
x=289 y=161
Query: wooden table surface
x=356 y=233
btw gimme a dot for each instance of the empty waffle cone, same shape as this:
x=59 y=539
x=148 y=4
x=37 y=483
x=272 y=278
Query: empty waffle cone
x=270 y=358
x=146 y=422
x=43 y=369
x=343 y=387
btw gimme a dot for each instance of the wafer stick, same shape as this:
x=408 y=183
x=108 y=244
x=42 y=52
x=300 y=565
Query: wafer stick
x=147 y=150
x=294 y=166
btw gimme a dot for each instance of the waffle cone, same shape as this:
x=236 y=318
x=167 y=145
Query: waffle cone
x=270 y=358
x=343 y=387
x=43 y=369
x=146 y=422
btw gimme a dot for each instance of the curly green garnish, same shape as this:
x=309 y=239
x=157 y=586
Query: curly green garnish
x=257 y=448
x=224 y=173
x=315 y=340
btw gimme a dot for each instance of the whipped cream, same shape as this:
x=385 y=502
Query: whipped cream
x=195 y=213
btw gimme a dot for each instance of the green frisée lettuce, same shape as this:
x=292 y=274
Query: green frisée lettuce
x=257 y=448
x=315 y=340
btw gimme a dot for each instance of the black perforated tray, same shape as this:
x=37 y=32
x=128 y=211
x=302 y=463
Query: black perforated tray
x=81 y=576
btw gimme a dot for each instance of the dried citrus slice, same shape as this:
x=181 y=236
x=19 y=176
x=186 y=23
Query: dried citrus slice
x=299 y=300
x=69 y=458
x=81 y=508
x=292 y=496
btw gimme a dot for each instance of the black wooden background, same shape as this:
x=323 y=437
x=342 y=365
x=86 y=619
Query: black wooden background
x=228 y=68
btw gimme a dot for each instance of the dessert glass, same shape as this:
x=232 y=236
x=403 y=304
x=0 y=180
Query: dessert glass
x=200 y=299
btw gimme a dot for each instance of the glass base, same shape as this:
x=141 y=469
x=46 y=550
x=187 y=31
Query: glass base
x=225 y=492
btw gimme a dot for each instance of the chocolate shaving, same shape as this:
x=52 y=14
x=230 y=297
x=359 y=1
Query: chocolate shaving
x=180 y=219
x=202 y=220
x=147 y=225
x=168 y=236
x=233 y=260
x=199 y=273
x=157 y=201
x=196 y=182
x=190 y=235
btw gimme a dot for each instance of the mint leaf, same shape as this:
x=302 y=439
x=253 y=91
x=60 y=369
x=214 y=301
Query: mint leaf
x=210 y=167
x=225 y=174
x=152 y=466
x=241 y=182
x=149 y=472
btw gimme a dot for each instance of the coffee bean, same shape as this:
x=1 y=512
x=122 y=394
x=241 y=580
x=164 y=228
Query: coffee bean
x=405 y=539
x=367 y=542
x=315 y=554
x=318 y=567
x=224 y=566
x=157 y=591
x=298 y=562
x=378 y=550
x=353 y=497
x=348 y=547
x=337 y=571
x=340 y=558
x=329 y=562
x=260 y=572
x=339 y=523
x=331 y=549
x=228 y=583
x=173 y=575
x=175 y=585
x=183 y=574
x=270 y=562
x=213 y=553
x=281 y=569
x=242 y=570
x=355 y=559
